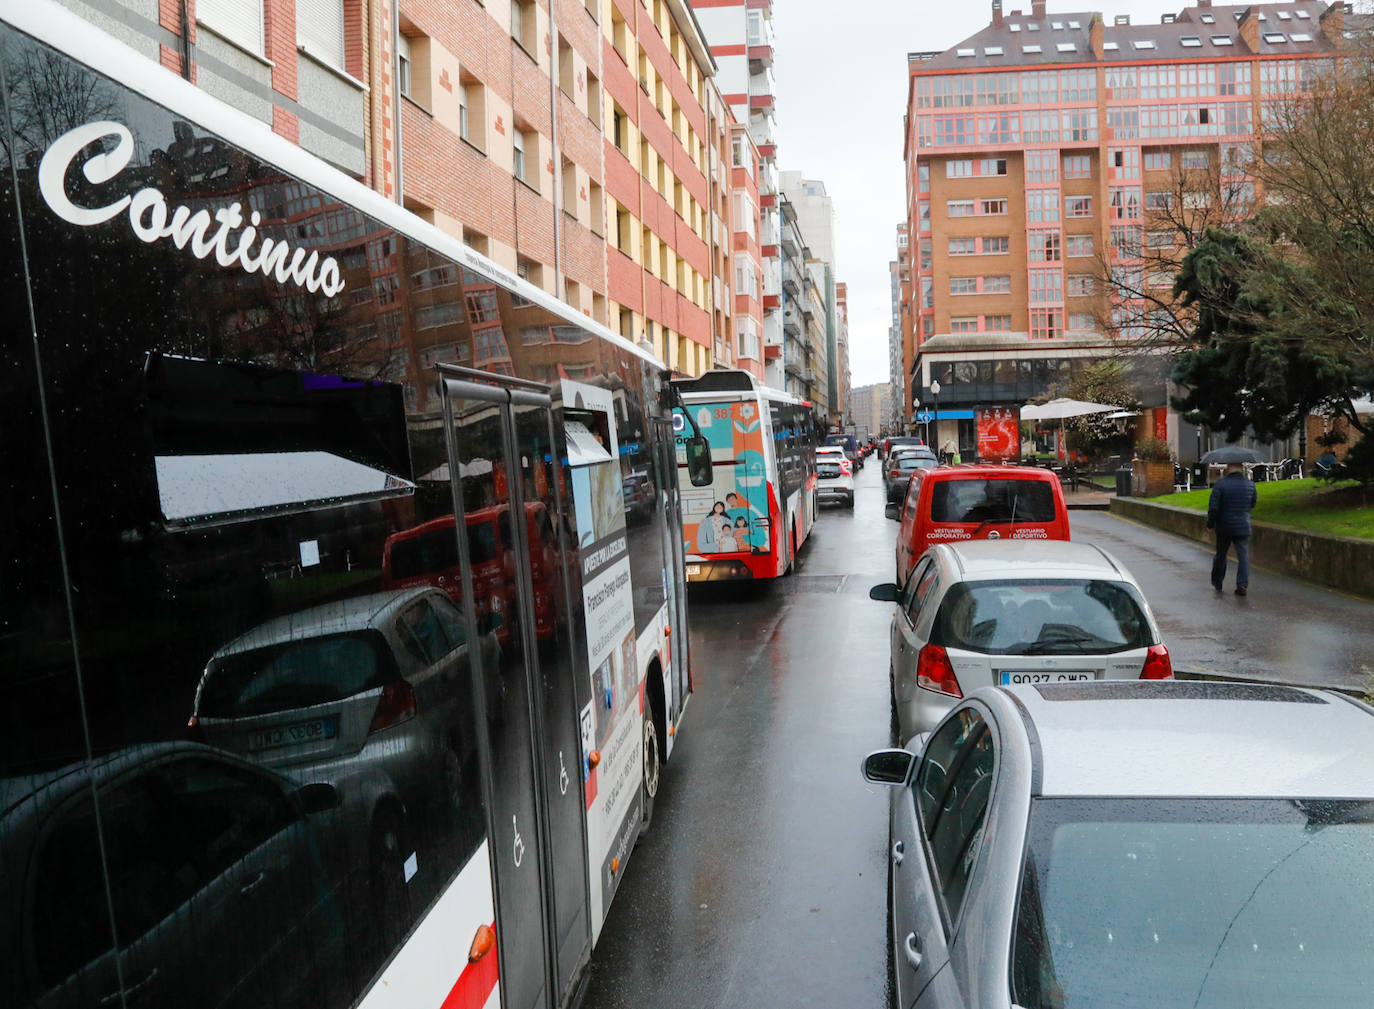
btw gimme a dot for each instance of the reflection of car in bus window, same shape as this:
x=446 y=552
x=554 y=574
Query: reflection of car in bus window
x=428 y=555
x=377 y=683
x=202 y=852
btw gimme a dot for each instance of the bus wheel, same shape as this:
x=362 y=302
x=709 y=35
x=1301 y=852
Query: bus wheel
x=652 y=769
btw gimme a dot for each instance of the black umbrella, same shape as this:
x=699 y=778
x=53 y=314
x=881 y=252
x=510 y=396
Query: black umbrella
x=1228 y=454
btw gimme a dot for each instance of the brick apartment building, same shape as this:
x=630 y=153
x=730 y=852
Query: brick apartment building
x=1042 y=154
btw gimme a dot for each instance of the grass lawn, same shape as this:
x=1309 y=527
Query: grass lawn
x=1337 y=509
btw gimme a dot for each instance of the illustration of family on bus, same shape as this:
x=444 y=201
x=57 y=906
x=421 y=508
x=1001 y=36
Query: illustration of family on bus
x=726 y=528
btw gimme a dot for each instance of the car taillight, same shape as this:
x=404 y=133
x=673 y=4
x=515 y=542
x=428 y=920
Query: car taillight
x=845 y=468
x=934 y=671
x=893 y=474
x=194 y=732
x=1157 y=665
x=396 y=705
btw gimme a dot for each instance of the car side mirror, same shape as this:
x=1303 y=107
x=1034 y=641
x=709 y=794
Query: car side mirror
x=888 y=767
x=699 y=461
x=318 y=797
x=887 y=592
x=893 y=511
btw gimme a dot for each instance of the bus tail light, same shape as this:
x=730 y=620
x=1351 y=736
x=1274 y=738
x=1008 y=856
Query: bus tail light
x=482 y=943
x=1157 y=664
x=396 y=705
x=935 y=672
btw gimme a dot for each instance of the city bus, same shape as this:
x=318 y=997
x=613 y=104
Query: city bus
x=755 y=516
x=338 y=671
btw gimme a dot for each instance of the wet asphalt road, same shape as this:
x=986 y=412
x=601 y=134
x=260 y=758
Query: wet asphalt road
x=762 y=882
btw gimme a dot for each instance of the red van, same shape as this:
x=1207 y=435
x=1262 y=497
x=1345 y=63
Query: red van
x=977 y=503
x=428 y=555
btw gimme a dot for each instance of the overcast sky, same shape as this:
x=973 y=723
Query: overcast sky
x=841 y=73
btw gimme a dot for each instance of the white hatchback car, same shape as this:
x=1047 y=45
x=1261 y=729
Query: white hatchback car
x=834 y=475
x=996 y=613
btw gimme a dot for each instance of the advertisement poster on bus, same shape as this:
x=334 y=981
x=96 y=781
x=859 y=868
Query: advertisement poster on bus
x=611 y=723
x=731 y=515
x=999 y=433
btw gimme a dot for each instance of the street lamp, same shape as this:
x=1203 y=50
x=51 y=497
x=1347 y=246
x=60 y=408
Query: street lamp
x=935 y=393
x=915 y=409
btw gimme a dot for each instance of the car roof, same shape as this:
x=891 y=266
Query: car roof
x=830 y=448
x=997 y=473
x=980 y=560
x=1196 y=739
x=340 y=617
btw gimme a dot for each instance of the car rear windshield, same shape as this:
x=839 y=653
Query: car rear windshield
x=295 y=674
x=827 y=467
x=1183 y=903
x=1038 y=616
x=438 y=551
x=992 y=500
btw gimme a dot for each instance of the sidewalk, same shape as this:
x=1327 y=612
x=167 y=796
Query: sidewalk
x=1088 y=498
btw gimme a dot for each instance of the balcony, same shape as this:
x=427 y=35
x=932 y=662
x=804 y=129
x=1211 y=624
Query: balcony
x=763 y=130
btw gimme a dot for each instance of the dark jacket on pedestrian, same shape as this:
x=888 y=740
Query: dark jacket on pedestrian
x=1228 y=509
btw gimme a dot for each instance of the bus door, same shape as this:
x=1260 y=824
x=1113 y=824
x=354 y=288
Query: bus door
x=499 y=440
x=669 y=519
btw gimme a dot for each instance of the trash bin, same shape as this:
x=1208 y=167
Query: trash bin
x=1123 y=481
x=1199 y=471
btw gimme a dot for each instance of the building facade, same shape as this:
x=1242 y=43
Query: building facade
x=1047 y=158
x=740 y=35
x=746 y=250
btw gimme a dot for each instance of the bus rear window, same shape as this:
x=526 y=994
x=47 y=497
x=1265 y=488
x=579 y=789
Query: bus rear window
x=992 y=500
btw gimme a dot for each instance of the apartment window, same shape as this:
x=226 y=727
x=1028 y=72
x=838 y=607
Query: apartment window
x=997 y=284
x=482 y=307
x=1159 y=239
x=1125 y=239
x=963 y=285
x=1159 y=201
x=1079 y=124
x=1043 y=246
x=959 y=169
x=1046 y=323
x=1078 y=166
x=993 y=207
x=1046 y=286
x=1078 y=86
x=964 y=324
x=992 y=166
x=1042 y=166
x=320 y=29
x=1194 y=159
x=925 y=253
x=962 y=246
x=403 y=65
x=737 y=152
x=1124 y=202
x=1078 y=246
x=927 y=325
x=1158 y=161
x=1042 y=205
x=1079 y=285
x=620 y=130
x=993 y=244
x=999 y=129
x=1125 y=162
x=1082 y=320
x=240 y=21
x=593 y=99
x=1160 y=278
x=523 y=24
x=472 y=117
x=518 y=156
x=959 y=208
x=1196 y=201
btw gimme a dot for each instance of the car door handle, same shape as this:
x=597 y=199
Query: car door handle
x=898 y=852
x=252 y=884
x=911 y=949
x=132 y=990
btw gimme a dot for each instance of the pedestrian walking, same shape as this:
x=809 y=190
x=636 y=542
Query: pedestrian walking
x=1228 y=513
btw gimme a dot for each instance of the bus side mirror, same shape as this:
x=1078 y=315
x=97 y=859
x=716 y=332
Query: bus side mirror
x=699 y=461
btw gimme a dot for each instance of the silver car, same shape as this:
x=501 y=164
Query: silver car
x=374 y=682
x=993 y=612
x=1114 y=844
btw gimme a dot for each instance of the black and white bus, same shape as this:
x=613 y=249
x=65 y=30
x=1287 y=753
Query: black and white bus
x=342 y=617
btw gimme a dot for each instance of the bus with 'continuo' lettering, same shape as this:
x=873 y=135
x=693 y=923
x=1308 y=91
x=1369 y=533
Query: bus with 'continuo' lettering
x=755 y=515
x=342 y=606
